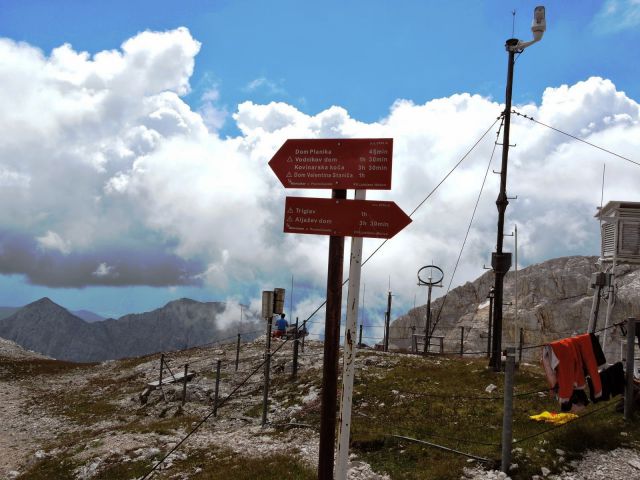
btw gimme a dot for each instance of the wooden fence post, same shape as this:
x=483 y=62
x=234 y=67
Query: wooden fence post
x=215 y=395
x=238 y=352
x=184 y=383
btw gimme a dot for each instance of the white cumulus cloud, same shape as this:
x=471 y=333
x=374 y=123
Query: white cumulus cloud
x=109 y=170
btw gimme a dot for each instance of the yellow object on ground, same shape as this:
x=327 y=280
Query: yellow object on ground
x=551 y=417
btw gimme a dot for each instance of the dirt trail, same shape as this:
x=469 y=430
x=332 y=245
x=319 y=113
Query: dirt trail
x=15 y=427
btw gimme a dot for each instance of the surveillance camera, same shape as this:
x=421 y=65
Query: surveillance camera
x=538 y=28
x=539 y=24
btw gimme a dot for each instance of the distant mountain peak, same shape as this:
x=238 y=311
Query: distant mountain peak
x=44 y=302
x=49 y=328
x=184 y=300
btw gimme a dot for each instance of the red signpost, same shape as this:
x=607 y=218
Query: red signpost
x=338 y=164
x=344 y=218
x=355 y=163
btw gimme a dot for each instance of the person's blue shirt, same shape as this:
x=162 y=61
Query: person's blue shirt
x=282 y=324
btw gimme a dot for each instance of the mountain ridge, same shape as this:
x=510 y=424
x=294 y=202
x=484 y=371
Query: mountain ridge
x=48 y=328
x=554 y=300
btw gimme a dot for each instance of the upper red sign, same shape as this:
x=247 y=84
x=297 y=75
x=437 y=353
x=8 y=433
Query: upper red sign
x=354 y=163
x=343 y=218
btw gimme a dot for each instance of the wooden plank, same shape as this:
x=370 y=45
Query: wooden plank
x=178 y=377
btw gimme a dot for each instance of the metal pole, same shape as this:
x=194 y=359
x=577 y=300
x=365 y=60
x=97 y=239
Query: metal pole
x=360 y=337
x=349 y=353
x=304 y=329
x=215 y=394
x=238 y=352
x=501 y=262
x=267 y=370
x=294 y=373
x=331 y=348
x=184 y=383
x=461 y=341
x=413 y=339
x=489 y=331
x=515 y=289
x=628 y=394
x=610 y=296
x=386 y=323
x=595 y=307
x=384 y=333
x=507 y=415
x=427 y=324
x=520 y=345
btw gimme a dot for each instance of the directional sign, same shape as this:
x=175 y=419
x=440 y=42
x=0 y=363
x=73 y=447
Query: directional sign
x=343 y=218
x=355 y=163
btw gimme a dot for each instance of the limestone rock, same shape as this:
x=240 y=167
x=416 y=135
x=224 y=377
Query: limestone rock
x=554 y=301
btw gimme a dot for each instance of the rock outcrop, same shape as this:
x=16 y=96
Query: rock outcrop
x=554 y=301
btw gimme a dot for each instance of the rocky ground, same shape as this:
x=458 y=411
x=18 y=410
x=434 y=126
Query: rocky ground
x=63 y=420
x=621 y=463
x=97 y=408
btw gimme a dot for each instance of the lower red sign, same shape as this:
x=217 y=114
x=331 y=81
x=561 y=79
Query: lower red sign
x=344 y=218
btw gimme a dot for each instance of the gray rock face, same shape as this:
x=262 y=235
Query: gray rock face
x=48 y=328
x=554 y=301
x=88 y=316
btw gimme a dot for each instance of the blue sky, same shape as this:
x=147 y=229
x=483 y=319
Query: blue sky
x=364 y=57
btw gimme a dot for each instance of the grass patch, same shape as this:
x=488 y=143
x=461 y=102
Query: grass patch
x=133 y=362
x=163 y=426
x=224 y=464
x=124 y=470
x=81 y=408
x=255 y=411
x=443 y=400
x=50 y=468
x=12 y=370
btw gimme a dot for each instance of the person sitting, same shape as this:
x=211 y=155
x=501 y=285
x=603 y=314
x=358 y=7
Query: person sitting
x=281 y=326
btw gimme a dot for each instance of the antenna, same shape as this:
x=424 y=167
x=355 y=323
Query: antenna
x=513 y=24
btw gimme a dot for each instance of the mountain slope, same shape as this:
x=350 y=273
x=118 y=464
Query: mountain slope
x=45 y=327
x=8 y=311
x=554 y=300
x=88 y=316
x=179 y=324
x=48 y=328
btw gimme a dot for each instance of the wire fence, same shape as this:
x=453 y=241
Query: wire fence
x=245 y=381
x=256 y=364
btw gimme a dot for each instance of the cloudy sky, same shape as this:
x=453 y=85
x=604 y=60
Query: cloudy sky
x=135 y=140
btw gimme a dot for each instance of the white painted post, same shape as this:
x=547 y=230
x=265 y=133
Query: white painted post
x=349 y=355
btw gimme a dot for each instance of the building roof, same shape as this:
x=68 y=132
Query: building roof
x=614 y=205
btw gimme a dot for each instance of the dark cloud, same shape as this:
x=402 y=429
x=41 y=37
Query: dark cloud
x=143 y=265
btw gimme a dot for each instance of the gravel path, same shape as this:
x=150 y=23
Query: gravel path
x=18 y=430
